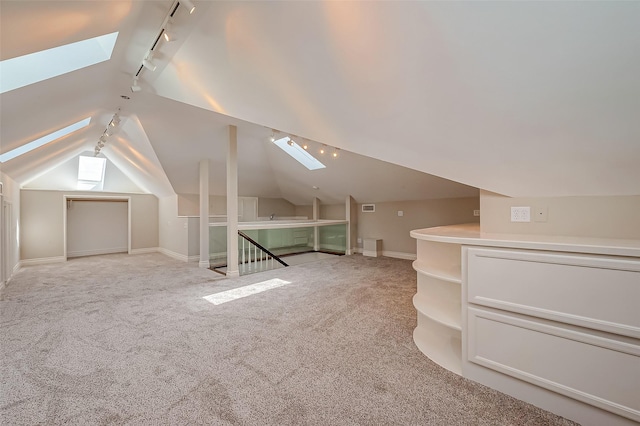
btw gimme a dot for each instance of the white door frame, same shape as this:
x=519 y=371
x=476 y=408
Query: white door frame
x=67 y=198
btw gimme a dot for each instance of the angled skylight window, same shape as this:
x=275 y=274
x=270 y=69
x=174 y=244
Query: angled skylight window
x=91 y=173
x=43 y=140
x=299 y=153
x=34 y=67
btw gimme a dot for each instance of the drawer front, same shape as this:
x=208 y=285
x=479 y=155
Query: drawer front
x=597 y=292
x=595 y=370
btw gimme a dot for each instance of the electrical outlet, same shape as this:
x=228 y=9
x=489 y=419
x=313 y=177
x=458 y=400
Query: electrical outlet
x=476 y=212
x=400 y=213
x=540 y=214
x=520 y=214
x=359 y=240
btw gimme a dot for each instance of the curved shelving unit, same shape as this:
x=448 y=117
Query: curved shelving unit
x=450 y=273
x=438 y=333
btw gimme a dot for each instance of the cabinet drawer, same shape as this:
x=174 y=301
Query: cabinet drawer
x=597 y=292
x=593 y=369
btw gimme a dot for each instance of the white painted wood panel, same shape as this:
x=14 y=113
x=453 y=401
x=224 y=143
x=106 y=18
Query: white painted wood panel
x=580 y=290
x=601 y=372
x=97 y=227
x=441 y=344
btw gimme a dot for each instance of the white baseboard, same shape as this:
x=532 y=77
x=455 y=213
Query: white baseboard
x=387 y=253
x=16 y=268
x=96 y=252
x=42 y=260
x=145 y=250
x=399 y=255
x=173 y=254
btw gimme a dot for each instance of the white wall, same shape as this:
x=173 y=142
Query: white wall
x=173 y=237
x=603 y=217
x=333 y=211
x=394 y=230
x=97 y=227
x=42 y=230
x=11 y=194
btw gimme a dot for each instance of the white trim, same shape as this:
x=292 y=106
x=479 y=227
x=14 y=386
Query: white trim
x=387 y=253
x=145 y=250
x=173 y=254
x=16 y=268
x=96 y=252
x=399 y=255
x=43 y=260
x=179 y=256
x=203 y=263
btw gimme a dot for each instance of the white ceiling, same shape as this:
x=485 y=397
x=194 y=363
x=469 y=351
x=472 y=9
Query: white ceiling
x=522 y=98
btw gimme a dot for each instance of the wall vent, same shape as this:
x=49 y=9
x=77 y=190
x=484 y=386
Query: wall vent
x=368 y=208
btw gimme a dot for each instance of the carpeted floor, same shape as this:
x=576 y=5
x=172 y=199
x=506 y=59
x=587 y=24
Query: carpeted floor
x=130 y=340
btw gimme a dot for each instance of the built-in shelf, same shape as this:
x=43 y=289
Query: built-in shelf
x=438 y=333
x=437 y=312
x=517 y=295
x=442 y=345
x=449 y=273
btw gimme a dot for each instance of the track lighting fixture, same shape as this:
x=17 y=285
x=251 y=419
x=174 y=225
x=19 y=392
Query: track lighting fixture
x=115 y=120
x=272 y=138
x=190 y=6
x=148 y=62
x=335 y=153
x=305 y=146
x=322 y=149
x=167 y=33
x=135 y=87
x=108 y=131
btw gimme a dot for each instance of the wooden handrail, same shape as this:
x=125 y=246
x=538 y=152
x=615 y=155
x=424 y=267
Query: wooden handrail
x=248 y=238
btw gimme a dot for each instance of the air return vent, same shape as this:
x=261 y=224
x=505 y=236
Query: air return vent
x=368 y=208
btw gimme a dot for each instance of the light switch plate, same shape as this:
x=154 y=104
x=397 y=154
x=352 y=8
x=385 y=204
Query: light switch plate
x=520 y=214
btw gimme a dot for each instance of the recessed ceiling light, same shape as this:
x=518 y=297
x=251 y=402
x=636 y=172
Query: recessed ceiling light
x=315 y=187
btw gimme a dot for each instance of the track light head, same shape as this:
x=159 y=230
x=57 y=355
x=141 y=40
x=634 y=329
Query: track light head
x=167 y=32
x=148 y=63
x=135 y=87
x=190 y=6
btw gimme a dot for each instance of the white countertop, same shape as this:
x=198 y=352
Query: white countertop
x=469 y=234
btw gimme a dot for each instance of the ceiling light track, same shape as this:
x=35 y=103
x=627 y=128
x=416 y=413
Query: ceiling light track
x=108 y=131
x=165 y=33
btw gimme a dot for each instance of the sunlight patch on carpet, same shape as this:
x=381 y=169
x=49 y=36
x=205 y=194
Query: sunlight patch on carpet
x=248 y=290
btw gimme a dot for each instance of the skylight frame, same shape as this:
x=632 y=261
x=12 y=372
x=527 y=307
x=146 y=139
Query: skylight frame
x=30 y=146
x=298 y=153
x=34 y=67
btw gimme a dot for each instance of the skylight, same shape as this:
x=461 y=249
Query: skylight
x=34 y=67
x=299 y=154
x=43 y=140
x=91 y=173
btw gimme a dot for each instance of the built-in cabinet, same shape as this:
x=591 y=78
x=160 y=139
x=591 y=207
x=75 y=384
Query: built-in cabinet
x=552 y=321
x=437 y=302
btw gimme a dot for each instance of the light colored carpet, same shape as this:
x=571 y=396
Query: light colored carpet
x=130 y=340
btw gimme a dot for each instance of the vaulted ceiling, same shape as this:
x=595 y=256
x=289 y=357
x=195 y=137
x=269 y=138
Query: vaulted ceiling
x=424 y=99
